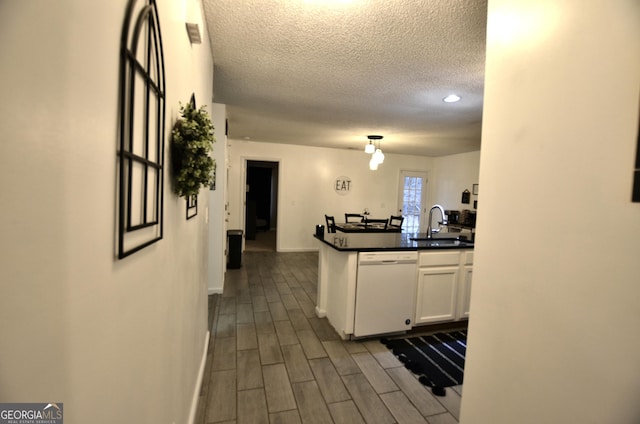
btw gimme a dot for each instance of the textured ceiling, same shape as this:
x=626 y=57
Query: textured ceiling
x=328 y=73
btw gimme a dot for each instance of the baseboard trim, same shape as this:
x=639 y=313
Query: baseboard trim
x=196 y=392
x=297 y=250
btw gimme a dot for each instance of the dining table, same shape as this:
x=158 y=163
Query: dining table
x=361 y=227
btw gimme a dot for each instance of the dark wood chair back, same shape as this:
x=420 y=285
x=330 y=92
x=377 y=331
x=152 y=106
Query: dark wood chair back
x=331 y=223
x=396 y=221
x=353 y=217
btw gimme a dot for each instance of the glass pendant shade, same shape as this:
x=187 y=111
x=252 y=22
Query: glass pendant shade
x=369 y=148
x=378 y=156
x=373 y=164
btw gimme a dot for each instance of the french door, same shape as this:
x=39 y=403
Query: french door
x=412 y=195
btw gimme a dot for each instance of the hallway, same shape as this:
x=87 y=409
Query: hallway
x=271 y=360
x=264 y=241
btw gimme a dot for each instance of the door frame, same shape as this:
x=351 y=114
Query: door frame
x=425 y=193
x=243 y=194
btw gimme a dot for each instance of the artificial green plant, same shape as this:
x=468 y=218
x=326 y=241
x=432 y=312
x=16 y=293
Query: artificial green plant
x=191 y=143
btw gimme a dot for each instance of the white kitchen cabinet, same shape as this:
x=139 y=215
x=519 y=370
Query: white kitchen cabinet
x=443 y=286
x=465 y=291
x=438 y=291
x=437 y=294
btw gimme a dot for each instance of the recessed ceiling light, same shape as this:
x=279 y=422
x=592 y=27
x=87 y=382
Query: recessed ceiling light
x=451 y=98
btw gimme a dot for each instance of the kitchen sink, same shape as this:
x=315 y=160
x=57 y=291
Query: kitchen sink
x=441 y=240
x=445 y=242
x=436 y=238
x=442 y=243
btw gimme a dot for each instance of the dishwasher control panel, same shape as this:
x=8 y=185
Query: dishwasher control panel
x=388 y=257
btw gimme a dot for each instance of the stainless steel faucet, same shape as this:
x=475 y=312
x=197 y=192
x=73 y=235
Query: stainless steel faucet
x=444 y=219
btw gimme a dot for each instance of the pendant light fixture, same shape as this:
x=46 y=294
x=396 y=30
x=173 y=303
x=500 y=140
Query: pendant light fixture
x=377 y=157
x=370 y=148
x=373 y=164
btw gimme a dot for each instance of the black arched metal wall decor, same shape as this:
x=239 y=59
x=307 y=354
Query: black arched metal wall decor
x=192 y=201
x=142 y=115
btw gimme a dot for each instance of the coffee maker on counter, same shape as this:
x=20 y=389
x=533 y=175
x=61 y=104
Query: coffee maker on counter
x=453 y=217
x=467 y=218
x=464 y=217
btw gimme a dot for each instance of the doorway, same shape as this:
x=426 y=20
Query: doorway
x=412 y=196
x=261 y=210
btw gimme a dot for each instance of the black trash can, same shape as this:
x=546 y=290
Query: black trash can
x=234 y=252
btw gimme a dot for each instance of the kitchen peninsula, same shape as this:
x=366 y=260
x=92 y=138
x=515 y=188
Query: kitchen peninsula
x=381 y=283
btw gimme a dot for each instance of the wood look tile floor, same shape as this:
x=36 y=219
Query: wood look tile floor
x=272 y=360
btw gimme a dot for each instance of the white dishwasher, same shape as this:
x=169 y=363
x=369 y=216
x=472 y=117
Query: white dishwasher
x=385 y=292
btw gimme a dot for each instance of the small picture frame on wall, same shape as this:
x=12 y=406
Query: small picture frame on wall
x=475 y=189
x=635 y=191
x=192 y=206
x=213 y=180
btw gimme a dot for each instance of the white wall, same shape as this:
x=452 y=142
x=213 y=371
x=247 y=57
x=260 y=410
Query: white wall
x=454 y=174
x=555 y=311
x=307 y=179
x=114 y=340
x=217 y=202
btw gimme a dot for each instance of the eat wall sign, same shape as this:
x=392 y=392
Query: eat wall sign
x=342 y=185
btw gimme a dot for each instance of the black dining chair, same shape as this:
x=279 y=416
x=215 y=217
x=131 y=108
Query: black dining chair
x=353 y=217
x=331 y=224
x=368 y=222
x=396 y=221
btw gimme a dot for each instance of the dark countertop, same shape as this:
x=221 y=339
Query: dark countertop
x=380 y=242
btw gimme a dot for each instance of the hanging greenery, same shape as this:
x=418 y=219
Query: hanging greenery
x=191 y=142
